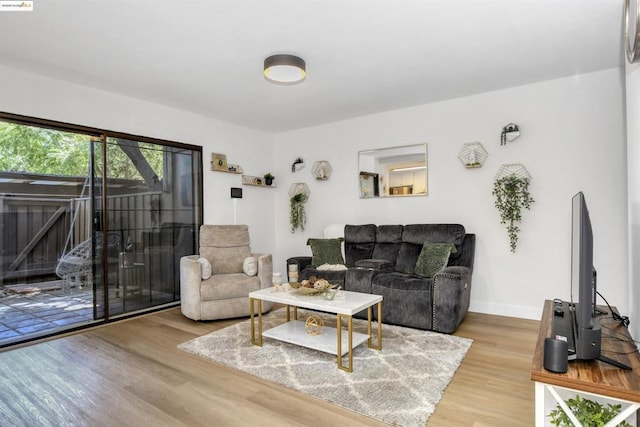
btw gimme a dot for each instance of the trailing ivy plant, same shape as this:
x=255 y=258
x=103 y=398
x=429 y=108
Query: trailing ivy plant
x=588 y=412
x=297 y=216
x=512 y=195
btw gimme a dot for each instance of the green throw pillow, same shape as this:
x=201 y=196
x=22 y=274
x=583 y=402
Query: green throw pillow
x=433 y=258
x=326 y=251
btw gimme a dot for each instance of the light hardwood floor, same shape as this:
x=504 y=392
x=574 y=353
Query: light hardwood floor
x=131 y=374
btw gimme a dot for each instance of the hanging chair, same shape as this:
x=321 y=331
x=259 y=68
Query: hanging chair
x=75 y=267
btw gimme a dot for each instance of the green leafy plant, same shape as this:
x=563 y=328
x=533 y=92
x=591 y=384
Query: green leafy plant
x=297 y=216
x=268 y=178
x=512 y=195
x=588 y=412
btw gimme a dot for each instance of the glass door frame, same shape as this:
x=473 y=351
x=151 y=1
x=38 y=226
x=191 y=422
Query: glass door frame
x=101 y=221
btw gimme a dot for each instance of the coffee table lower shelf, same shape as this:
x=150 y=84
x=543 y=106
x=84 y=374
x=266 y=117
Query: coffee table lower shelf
x=294 y=332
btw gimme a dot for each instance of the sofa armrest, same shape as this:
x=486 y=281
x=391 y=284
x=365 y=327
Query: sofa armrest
x=265 y=270
x=375 y=264
x=190 y=279
x=451 y=297
x=302 y=262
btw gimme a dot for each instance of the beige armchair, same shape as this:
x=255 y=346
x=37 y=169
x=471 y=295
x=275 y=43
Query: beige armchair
x=224 y=294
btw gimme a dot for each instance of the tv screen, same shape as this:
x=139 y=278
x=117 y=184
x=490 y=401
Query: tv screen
x=583 y=282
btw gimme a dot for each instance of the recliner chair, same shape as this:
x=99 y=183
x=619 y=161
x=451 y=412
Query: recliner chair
x=225 y=293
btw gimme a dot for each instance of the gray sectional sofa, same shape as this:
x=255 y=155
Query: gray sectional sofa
x=382 y=260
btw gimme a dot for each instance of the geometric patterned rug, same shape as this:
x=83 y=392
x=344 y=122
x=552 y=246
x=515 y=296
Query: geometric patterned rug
x=400 y=385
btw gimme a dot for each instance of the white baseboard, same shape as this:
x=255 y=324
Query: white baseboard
x=510 y=310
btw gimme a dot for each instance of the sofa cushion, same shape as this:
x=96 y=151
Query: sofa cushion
x=388 y=239
x=414 y=236
x=407 y=257
x=433 y=258
x=326 y=251
x=360 y=241
x=439 y=233
x=374 y=264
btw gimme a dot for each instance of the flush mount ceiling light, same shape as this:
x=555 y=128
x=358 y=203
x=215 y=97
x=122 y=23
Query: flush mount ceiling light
x=286 y=69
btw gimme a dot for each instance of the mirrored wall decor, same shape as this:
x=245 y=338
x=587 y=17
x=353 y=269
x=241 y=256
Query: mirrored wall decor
x=393 y=172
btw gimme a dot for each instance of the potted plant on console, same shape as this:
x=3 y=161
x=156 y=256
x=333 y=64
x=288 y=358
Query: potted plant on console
x=268 y=178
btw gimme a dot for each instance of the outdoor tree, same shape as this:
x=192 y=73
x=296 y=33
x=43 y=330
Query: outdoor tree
x=38 y=150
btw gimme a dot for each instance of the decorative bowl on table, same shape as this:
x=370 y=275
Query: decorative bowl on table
x=312 y=286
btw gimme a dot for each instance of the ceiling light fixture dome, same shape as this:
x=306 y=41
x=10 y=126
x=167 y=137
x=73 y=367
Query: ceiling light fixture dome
x=284 y=68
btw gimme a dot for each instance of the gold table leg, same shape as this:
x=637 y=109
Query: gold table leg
x=350 y=332
x=370 y=340
x=295 y=313
x=256 y=341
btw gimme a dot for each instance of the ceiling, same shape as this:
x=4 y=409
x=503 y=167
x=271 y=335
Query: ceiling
x=362 y=57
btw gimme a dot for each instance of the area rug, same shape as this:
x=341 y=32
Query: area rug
x=400 y=385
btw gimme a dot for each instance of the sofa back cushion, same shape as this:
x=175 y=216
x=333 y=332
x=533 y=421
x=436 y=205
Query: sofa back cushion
x=359 y=242
x=414 y=236
x=388 y=240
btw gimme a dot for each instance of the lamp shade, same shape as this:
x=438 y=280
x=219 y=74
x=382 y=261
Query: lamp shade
x=286 y=69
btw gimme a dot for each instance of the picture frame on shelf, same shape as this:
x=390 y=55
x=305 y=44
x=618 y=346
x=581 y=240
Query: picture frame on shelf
x=219 y=162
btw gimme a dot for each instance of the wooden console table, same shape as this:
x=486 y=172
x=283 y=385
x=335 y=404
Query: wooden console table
x=592 y=379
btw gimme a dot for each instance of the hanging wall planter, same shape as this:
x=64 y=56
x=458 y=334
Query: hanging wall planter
x=511 y=192
x=298 y=195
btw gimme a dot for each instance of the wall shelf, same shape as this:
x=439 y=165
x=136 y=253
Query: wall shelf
x=237 y=172
x=472 y=155
x=255 y=181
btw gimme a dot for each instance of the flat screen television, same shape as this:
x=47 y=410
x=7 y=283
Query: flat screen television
x=586 y=326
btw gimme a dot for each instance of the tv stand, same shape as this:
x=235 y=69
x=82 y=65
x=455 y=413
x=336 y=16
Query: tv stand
x=591 y=379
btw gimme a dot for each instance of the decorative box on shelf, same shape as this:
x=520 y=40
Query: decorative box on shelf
x=255 y=180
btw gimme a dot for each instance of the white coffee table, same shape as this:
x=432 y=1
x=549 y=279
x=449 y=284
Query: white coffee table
x=330 y=340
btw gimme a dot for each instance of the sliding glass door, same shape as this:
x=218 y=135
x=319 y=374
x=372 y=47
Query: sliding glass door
x=151 y=214
x=92 y=225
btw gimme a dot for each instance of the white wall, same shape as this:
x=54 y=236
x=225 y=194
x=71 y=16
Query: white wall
x=572 y=139
x=38 y=96
x=633 y=160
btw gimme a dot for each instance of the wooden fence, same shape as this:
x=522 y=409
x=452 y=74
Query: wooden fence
x=36 y=231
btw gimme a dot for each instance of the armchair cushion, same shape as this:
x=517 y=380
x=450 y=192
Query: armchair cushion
x=226 y=286
x=205 y=267
x=433 y=258
x=250 y=266
x=326 y=251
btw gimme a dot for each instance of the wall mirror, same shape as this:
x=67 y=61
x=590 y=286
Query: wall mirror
x=393 y=172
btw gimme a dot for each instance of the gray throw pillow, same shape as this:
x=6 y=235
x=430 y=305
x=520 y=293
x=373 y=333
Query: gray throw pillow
x=433 y=258
x=326 y=251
